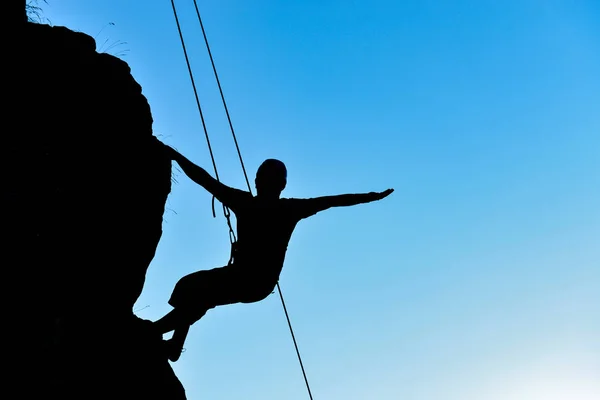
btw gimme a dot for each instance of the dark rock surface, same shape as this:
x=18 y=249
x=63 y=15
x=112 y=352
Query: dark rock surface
x=86 y=183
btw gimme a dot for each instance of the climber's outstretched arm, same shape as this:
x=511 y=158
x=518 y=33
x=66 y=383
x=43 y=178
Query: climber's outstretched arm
x=223 y=193
x=317 y=204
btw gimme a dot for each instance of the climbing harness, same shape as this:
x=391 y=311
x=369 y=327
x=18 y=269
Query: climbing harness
x=226 y=211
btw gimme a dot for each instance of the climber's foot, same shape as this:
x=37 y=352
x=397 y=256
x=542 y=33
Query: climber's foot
x=173 y=350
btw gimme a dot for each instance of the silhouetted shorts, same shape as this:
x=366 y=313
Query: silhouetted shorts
x=203 y=290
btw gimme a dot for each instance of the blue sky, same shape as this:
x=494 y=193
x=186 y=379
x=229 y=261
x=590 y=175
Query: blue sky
x=478 y=279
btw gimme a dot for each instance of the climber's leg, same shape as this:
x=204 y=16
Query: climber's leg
x=171 y=321
x=178 y=320
x=200 y=291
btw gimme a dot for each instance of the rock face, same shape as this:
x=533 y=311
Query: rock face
x=86 y=191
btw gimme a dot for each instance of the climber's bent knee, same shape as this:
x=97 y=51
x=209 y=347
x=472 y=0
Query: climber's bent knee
x=220 y=286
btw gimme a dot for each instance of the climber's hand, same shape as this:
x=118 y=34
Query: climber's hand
x=384 y=194
x=169 y=152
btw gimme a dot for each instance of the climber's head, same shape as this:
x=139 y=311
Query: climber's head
x=271 y=178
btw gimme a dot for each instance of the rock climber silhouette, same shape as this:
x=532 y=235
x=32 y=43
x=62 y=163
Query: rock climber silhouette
x=265 y=223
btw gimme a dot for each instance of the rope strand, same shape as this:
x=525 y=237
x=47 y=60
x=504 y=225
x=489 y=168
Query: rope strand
x=187 y=60
x=222 y=96
x=227 y=213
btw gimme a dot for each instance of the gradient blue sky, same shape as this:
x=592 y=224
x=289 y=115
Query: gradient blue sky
x=478 y=279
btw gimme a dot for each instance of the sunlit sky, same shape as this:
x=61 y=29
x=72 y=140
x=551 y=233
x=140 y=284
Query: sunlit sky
x=478 y=279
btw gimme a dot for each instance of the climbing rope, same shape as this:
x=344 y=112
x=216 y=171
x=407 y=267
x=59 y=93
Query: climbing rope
x=227 y=212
